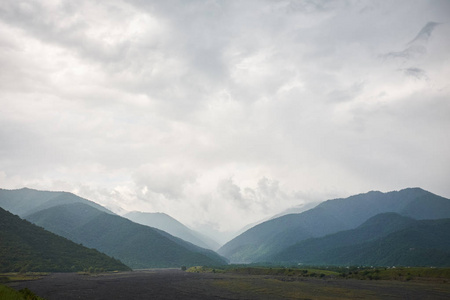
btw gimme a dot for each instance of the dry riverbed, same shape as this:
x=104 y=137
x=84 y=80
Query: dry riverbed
x=176 y=284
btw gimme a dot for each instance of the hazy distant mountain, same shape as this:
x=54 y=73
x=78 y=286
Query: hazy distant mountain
x=27 y=201
x=170 y=225
x=291 y=210
x=26 y=247
x=384 y=240
x=136 y=245
x=273 y=236
x=296 y=209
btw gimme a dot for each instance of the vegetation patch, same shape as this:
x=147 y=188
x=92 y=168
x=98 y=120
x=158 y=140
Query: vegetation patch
x=201 y=269
x=280 y=271
x=9 y=277
x=396 y=273
x=354 y=272
x=7 y=293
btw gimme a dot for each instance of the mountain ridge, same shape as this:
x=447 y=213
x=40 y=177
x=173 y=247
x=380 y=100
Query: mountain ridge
x=137 y=245
x=26 y=201
x=329 y=217
x=374 y=228
x=26 y=247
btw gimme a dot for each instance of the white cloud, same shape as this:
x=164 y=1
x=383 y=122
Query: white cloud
x=223 y=113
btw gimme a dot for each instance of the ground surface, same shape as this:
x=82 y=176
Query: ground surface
x=175 y=284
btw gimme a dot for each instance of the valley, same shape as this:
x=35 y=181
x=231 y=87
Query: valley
x=373 y=246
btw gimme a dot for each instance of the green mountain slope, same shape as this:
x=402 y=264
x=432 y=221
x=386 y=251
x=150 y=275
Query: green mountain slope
x=266 y=239
x=313 y=250
x=136 y=245
x=384 y=240
x=172 y=226
x=27 y=201
x=27 y=247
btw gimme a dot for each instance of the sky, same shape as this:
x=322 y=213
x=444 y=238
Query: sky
x=223 y=113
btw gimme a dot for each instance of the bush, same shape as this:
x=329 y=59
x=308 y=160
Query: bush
x=29 y=295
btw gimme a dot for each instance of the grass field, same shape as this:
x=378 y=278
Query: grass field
x=361 y=273
x=16 y=276
x=332 y=282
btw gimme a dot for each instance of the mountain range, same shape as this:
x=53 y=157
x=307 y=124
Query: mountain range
x=264 y=241
x=88 y=223
x=387 y=239
x=410 y=227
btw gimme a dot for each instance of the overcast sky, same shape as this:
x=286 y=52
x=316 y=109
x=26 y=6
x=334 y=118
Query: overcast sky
x=221 y=113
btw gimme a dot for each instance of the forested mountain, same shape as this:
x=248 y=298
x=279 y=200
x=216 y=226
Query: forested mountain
x=384 y=240
x=408 y=227
x=266 y=239
x=27 y=247
x=136 y=245
x=26 y=201
x=170 y=225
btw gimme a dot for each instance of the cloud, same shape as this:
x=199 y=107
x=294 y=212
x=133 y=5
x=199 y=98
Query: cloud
x=223 y=112
x=262 y=198
x=167 y=180
x=416 y=73
x=425 y=33
x=417 y=47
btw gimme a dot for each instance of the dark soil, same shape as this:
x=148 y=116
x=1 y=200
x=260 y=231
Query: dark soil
x=148 y=284
x=176 y=284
